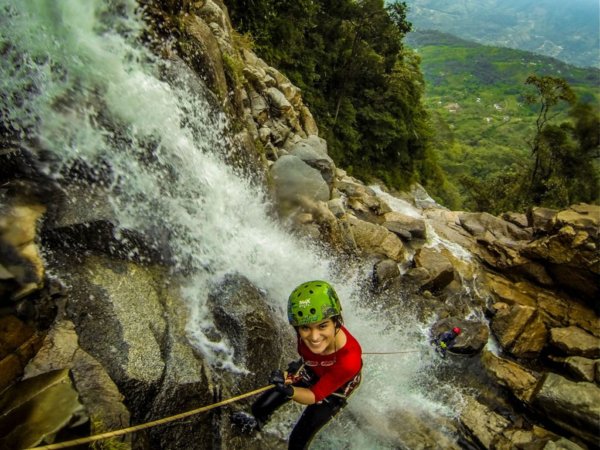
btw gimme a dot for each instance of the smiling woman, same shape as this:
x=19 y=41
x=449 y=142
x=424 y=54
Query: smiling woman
x=327 y=373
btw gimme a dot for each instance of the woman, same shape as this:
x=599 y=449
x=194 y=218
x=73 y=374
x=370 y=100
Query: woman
x=327 y=373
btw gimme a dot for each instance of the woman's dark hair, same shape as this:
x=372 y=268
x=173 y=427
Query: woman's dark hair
x=338 y=321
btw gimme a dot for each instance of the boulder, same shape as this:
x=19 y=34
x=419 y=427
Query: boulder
x=375 y=239
x=473 y=338
x=129 y=317
x=479 y=223
x=20 y=259
x=580 y=368
x=541 y=219
x=242 y=313
x=401 y=223
x=483 y=424
x=519 y=329
x=519 y=380
x=574 y=406
x=384 y=272
x=313 y=151
x=294 y=179
x=576 y=342
x=97 y=392
x=441 y=271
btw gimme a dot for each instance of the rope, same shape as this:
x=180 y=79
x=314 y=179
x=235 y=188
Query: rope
x=143 y=426
x=154 y=423
x=390 y=353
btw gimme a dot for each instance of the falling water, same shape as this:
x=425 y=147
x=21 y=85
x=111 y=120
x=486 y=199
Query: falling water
x=77 y=82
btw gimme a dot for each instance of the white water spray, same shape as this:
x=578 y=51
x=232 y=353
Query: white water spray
x=75 y=78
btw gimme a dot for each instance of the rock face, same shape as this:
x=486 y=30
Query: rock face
x=526 y=285
x=571 y=405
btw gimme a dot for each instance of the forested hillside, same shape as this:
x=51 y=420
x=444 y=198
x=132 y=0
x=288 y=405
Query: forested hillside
x=477 y=98
x=364 y=87
x=510 y=128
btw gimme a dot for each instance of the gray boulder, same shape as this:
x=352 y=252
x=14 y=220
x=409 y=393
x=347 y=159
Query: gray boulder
x=293 y=179
x=570 y=405
x=313 y=151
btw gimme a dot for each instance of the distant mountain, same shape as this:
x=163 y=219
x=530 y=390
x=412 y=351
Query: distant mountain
x=474 y=94
x=565 y=29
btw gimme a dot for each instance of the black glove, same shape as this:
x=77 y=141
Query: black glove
x=294 y=367
x=278 y=380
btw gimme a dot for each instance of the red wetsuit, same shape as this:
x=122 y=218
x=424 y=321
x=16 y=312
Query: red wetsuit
x=334 y=370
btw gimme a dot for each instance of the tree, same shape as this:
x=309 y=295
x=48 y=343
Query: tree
x=549 y=92
x=565 y=166
x=363 y=87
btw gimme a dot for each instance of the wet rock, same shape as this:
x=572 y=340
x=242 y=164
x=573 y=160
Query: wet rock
x=519 y=329
x=243 y=314
x=473 y=338
x=384 y=272
x=200 y=49
x=580 y=368
x=483 y=424
x=294 y=179
x=119 y=301
x=574 y=406
x=574 y=341
x=401 y=224
x=441 y=271
x=20 y=258
x=519 y=380
x=34 y=410
x=478 y=224
x=412 y=428
x=313 y=151
x=18 y=344
x=541 y=219
x=97 y=392
x=375 y=239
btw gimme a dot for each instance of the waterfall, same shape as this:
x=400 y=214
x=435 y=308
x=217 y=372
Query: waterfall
x=77 y=81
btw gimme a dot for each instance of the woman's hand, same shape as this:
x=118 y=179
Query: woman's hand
x=277 y=378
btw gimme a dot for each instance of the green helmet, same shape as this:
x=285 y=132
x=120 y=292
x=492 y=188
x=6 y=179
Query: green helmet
x=312 y=302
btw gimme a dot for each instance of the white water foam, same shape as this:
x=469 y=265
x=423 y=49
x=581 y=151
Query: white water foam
x=93 y=94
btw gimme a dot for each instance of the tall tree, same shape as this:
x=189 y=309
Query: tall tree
x=549 y=92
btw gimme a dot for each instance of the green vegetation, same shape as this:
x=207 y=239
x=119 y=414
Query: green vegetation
x=486 y=120
x=481 y=118
x=363 y=86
